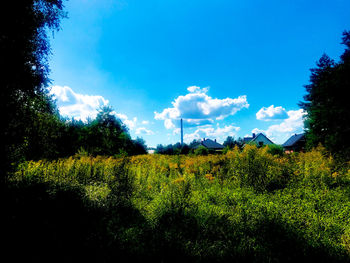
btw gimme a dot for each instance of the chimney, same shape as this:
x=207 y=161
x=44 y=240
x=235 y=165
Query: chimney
x=214 y=140
x=253 y=135
x=182 y=134
x=203 y=139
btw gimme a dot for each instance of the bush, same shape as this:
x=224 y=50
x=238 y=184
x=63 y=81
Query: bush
x=201 y=150
x=275 y=149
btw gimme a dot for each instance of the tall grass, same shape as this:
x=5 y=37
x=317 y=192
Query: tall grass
x=244 y=206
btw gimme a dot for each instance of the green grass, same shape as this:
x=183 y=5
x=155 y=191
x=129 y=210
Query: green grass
x=245 y=206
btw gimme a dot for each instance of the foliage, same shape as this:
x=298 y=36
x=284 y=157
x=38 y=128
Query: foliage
x=275 y=149
x=201 y=150
x=231 y=143
x=328 y=111
x=245 y=205
x=24 y=51
x=172 y=149
x=54 y=137
x=33 y=128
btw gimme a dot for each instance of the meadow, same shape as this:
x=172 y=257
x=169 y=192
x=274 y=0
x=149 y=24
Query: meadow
x=244 y=206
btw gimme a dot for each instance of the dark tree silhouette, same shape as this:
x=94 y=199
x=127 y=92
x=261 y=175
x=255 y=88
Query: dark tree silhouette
x=24 y=51
x=327 y=106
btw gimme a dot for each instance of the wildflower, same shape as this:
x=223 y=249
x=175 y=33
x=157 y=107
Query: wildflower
x=209 y=177
x=179 y=180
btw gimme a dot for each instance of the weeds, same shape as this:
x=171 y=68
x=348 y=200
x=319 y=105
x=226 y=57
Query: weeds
x=247 y=206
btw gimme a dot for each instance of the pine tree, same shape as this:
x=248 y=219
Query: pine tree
x=327 y=105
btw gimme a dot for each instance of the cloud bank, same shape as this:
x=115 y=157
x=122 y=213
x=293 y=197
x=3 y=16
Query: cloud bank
x=82 y=106
x=271 y=113
x=143 y=131
x=197 y=108
x=75 y=105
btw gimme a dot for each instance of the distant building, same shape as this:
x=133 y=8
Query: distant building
x=295 y=143
x=260 y=140
x=210 y=145
x=151 y=150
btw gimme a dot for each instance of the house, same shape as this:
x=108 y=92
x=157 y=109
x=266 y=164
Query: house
x=210 y=145
x=260 y=140
x=295 y=143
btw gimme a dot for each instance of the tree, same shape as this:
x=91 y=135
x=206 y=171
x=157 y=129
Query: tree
x=229 y=142
x=140 y=147
x=185 y=149
x=24 y=51
x=159 y=149
x=172 y=149
x=327 y=106
x=107 y=135
x=194 y=143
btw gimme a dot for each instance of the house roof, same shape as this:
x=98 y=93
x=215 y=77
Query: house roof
x=294 y=139
x=262 y=135
x=252 y=139
x=247 y=139
x=210 y=144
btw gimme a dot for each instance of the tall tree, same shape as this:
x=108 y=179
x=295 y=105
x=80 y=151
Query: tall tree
x=327 y=105
x=24 y=51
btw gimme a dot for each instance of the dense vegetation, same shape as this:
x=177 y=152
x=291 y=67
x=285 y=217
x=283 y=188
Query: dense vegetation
x=255 y=205
x=241 y=206
x=104 y=135
x=32 y=127
x=177 y=148
x=328 y=110
x=24 y=51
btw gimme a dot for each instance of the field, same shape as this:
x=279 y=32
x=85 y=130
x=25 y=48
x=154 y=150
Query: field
x=248 y=206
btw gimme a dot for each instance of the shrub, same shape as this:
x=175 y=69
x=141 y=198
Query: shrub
x=275 y=149
x=201 y=150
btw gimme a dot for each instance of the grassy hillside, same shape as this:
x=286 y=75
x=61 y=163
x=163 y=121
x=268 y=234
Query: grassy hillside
x=247 y=206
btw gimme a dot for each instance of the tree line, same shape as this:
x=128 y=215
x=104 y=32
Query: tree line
x=192 y=148
x=31 y=125
x=54 y=136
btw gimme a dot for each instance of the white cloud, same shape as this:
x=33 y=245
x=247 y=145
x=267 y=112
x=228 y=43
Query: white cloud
x=271 y=113
x=145 y=122
x=131 y=124
x=169 y=124
x=197 y=108
x=256 y=131
x=196 y=89
x=291 y=124
x=144 y=131
x=77 y=105
x=80 y=106
x=281 y=132
x=212 y=133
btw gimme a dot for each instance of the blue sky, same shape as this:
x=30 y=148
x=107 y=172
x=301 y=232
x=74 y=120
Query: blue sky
x=229 y=68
